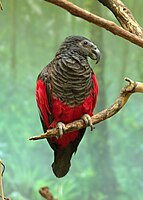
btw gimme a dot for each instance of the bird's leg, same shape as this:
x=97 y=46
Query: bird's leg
x=61 y=127
x=87 y=120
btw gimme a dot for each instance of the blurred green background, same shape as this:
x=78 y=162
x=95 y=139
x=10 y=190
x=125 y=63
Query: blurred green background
x=109 y=161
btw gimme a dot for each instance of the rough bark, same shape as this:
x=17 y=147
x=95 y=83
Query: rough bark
x=124 y=16
x=108 y=25
x=126 y=92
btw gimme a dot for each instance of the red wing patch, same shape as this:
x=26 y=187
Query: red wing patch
x=42 y=101
x=95 y=91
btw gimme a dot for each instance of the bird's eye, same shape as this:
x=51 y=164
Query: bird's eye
x=85 y=42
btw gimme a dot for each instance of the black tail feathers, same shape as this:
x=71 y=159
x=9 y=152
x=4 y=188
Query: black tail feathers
x=62 y=162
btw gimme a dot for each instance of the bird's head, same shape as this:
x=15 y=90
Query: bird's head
x=83 y=46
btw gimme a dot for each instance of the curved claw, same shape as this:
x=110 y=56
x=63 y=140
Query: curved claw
x=61 y=127
x=87 y=119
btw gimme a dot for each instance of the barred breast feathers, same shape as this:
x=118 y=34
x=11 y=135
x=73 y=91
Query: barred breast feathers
x=70 y=78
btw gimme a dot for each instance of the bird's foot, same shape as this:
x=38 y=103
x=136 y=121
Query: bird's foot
x=61 y=127
x=87 y=120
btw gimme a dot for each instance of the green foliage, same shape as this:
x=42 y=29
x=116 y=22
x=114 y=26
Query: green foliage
x=30 y=35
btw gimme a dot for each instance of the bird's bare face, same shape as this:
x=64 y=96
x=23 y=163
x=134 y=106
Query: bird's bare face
x=90 y=49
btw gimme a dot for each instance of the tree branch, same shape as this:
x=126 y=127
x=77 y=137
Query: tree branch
x=124 y=16
x=1 y=7
x=44 y=191
x=108 y=25
x=131 y=88
x=4 y=197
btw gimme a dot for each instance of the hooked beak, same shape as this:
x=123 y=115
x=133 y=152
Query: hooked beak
x=96 y=54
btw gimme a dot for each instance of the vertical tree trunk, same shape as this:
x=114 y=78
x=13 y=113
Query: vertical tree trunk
x=105 y=182
x=13 y=35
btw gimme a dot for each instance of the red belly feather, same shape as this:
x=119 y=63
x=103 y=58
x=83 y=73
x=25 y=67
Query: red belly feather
x=62 y=112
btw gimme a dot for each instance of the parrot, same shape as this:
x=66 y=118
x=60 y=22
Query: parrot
x=67 y=90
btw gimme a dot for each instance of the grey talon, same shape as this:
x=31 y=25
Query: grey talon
x=87 y=119
x=61 y=127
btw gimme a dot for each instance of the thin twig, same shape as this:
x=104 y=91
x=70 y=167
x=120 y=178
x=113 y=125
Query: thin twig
x=131 y=88
x=90 y=17
x=1 y=174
